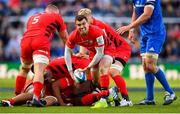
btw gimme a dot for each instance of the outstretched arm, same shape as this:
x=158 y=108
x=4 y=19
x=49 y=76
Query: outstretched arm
x=56 y=92
x=67 y=57
x=99 y=54
x=148 y=10
x=64 y=35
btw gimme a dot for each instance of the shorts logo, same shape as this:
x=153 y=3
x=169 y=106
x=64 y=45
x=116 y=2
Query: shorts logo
x=151 y=49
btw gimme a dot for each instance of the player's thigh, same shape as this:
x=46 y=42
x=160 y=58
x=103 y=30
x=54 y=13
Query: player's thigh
x=116 y=68
x=151 y=62
x=41 y=50
x=105 y=64
x=26 y=51
x=106 y=61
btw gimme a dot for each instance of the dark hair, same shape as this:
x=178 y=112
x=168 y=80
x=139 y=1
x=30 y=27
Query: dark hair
x=80 y=18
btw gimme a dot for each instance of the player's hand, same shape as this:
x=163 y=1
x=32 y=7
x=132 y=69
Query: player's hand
x=71 y=74
x=122 y=30
x=86 y=70
x=131 y=36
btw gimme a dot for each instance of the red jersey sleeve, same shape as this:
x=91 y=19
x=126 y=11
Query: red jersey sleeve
x=71 y=40
x=60 y=21
x=99 y=36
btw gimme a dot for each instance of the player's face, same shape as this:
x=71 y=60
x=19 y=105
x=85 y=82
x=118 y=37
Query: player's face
x=82 y=26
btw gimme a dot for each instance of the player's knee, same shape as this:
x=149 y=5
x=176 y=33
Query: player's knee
x=25 y=70
x=25 y=67
x=103 y=70
x=151 y=68
x=113 y=72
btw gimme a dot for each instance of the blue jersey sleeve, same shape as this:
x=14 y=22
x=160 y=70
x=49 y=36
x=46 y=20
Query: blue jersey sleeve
x=150 y=2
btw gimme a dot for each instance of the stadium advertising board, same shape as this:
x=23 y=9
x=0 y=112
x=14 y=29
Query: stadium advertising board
x=132 y=71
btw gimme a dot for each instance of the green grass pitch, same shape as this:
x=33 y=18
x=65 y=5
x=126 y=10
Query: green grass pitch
x=135 y=96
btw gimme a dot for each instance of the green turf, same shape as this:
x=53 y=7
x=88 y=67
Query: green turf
x=9 y=83
x=135 y=96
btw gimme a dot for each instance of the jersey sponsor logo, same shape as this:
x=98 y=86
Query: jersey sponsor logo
x=100 y=40
x=151 y=49
x=138 y=4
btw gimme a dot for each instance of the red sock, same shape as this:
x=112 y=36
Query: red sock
x=120 y=84
x=37 y=89
x=90 y=98
x=20 y=82
x=12 y=101
x=104 y=83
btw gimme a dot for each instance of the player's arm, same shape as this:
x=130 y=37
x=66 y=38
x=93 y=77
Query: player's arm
x=133 y=18
x=148 y=10
x=99 y=54
x=99 y=51
x=68 y=61
x=64 y=35
x=62 y=29
x=56 y=92
x=131 y=31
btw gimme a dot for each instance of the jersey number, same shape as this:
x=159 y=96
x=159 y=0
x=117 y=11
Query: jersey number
x=35 y=20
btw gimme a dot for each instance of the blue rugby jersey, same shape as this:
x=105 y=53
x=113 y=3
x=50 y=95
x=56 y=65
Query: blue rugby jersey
x=155 y=23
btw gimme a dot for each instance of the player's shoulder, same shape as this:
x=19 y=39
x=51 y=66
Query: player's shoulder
x=95 y=28
x=74 y=33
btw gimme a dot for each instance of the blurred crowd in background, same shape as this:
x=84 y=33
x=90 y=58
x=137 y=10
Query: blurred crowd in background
x=12 y=27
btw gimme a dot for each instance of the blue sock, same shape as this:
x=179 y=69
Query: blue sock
x=162 y=79
x=149 y=86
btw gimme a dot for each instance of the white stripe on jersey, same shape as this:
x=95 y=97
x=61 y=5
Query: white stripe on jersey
x=151 y=0
x=139 y=5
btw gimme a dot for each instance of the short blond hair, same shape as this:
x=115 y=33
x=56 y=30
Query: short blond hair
x=84 y=11
x=52 y=8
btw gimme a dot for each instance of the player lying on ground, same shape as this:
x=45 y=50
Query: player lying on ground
x=57 y=70
x=58 y=83
x=27 y=95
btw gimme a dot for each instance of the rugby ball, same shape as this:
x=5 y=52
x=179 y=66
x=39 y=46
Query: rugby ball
x=79 y=76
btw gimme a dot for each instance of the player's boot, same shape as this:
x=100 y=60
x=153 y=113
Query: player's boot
x=36 y=103
x=102 y=103
x=147 y=102
x=169 y=98
x=5 y=103
x=113 y=94
x=124 y=102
